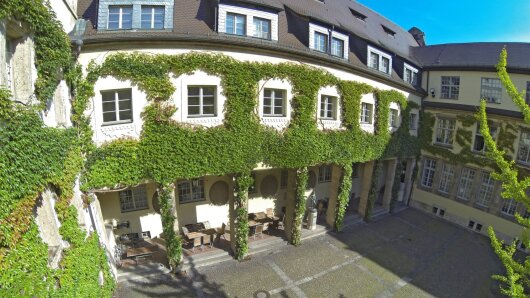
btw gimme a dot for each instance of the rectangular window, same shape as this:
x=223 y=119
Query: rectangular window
x=201 y=101
x=410 y=74
x=191 y=190
x=379 y=61
x=236 y=24
x=450 y=87
x=474 y=225
x=133 y=199
x=393 y=121
x=117 y=106
x=427 y=176
x=509 y=207
x=284 y=176
x=274 y=102
x=355 y=170
x=373 y=61
x=321 y=42
x=479 y=145
x=465 y=184
x=445 y=131
x=152 y=17
x=366 y=113
x=327 y=107
x=413 y=121
x=485 y=192
x=337 y=47
x=120 y=17
x=523 y=155
x=262 y=28
x=324 y=173
x=446 y=179
x=491 y=90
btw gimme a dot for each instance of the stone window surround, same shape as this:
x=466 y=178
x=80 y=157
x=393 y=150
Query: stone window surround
x=330 y=34
x=278 y=122
x=369 y=99
x=103 y=12
x=250 y=15
x=381 y=55
x=326 y=123
x=452 y=139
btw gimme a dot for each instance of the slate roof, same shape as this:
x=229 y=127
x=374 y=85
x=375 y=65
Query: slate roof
x=473 y=55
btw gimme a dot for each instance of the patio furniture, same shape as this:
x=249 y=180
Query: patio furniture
x=141 y=252
x=146 y=235
x=206 y=225
x=220 y=232
x=257 y=230
x=196 y=239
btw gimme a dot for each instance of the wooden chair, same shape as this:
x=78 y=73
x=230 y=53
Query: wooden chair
x=258 y=231
x=206 y=225
x=270 y=213
x=207 y=240
x=220 y=232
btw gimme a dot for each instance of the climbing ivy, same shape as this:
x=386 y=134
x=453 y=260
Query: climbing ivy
x=374 y=190
x=173 y=241
x=302 y=176
x=344 y=196
x=243 y=183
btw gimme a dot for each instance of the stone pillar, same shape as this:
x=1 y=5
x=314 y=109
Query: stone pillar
x=411 y=164
x=389 y=183
x=336 y=175
x=366 y=183
x=174 y=205
x=289 y=206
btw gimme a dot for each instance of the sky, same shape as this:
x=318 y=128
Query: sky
x=453 y=21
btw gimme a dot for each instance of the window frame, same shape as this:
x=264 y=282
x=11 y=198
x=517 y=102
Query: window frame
x=428 y=172
x=272 y=104
x=325 y=173
x=134 y=194
x=484 y=90
x=329 y=100
x=485 y=189
x=381 y=55
x=445 y=135
x=341 y=55
x=363 y=114
x=152 y=16
x=235 y=15
x=316 y=45
x=525 y=147
x=446 y=178
x=284 y=179
x=201 y=101
x=464 y=190
x=120 y=16
x=479 y=134
x=414 y=74
x=413 y=121
x=196 y=192
x=509 y=207
x=117 y=110
x=452 y=87
x=262 y=20
x=393 y=118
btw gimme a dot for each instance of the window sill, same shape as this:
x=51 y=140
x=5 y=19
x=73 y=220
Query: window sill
x=449 y=98
x=133 y=210
x=425 y=188
x=481 y=207
x=193 y=201
x=461 y=200
x=116 y=123
x=448 y=146
x=442 y=194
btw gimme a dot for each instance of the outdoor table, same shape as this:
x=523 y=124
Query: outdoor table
x=141 y=252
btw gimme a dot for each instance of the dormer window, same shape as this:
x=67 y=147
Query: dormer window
x=152 y=17
x=358 y=15
x=410 y=74
x=120 y=17
x=319 y=40
x=337 y=47
x=389 y=31
x=262 y=28
x=379 y=61
x=236 y=24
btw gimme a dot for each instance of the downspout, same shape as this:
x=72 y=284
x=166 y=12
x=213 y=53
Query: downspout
x=215 y=19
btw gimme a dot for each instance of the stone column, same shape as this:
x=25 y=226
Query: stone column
x=411 y=163
x=174 y=211
x=289 y=206
x=366 y=183
x=389 y=182
x=336 y=175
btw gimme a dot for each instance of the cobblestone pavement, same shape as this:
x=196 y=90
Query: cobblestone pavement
x=409 y=254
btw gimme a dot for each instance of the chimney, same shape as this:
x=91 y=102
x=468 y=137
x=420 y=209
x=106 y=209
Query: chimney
x=418 y=35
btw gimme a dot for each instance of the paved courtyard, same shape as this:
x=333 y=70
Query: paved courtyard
x=409 y=254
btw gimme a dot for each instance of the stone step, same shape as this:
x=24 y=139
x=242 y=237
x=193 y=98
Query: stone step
x=141 y=271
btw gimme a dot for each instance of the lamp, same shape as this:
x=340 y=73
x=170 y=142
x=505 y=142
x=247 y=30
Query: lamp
x=79 y=33
x=432 y=92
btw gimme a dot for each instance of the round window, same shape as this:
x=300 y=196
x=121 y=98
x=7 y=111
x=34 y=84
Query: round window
x=219 y=193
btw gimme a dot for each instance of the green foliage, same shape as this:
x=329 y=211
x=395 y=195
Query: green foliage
x=302 y=176
x=396 y=184
x=173 y=241
x=344 y=196
x=374 y=190
x=517 y=279
x=243 y=183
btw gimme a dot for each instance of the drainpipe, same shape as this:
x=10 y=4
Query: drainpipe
x=215 y=19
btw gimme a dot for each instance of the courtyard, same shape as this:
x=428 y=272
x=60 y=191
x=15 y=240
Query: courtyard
x=407 y=254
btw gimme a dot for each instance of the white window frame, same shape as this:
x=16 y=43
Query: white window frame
x=446 y=179
x=196 y=190
x=327 y=100
x=201 y=101
x=236 y=15
x=453 y=89
x=493 y=128
x=272 y=105
x=135 y=196
x=365 y=118
x=250 y=15
x=393 y=118
x=486 y=189
x=428 y=172
x=445 y=132
x=117 y=110
x=413 y=80
x=120 y=16
x=152 y=16
x=330 y=35
x=465 y=184
x=380 y=60
x=523 y=152
x=318 y=46
x=259 y=33
x=487 y=91
x=509 y=207
x=325 y=173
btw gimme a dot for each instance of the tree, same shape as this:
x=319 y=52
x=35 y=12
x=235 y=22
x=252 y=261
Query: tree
x=516 y=282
